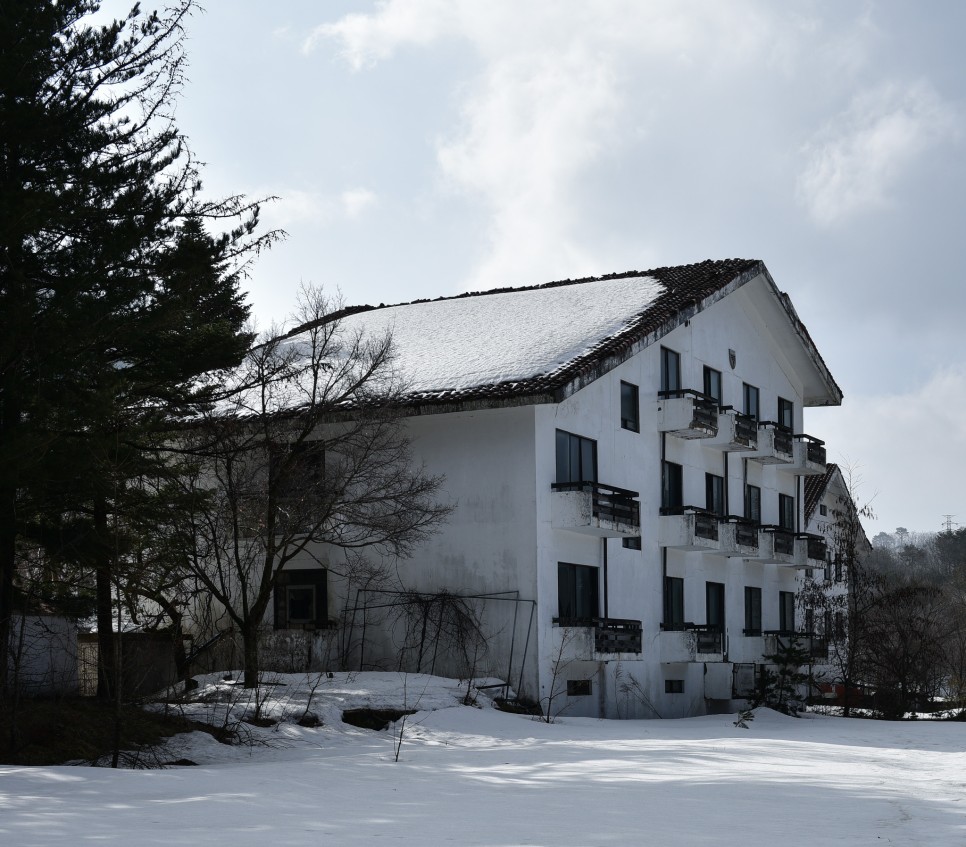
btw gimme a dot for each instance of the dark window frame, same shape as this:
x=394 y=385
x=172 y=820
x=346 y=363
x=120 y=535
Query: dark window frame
x=292 y=580
x=714 y=605
x=578 y=593
x=714 y=494
x=786 y=512
x=751 y=399
x=786 y=611
x=709 y=387
x=670 y=370
x=674 y=686
x=786 y=413
x=752 y=610
x=753 y=502
x=631 y=542
x=567 y=446
x=630 y=407
x=672 y=485
x=673 y=603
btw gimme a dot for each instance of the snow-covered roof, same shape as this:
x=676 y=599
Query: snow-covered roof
x=538 y=342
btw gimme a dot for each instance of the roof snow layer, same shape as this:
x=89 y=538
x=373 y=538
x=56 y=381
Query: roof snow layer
x=511 y=336
x=540 y=341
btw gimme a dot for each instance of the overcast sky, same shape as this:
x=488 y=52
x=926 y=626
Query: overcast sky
x=426 y=147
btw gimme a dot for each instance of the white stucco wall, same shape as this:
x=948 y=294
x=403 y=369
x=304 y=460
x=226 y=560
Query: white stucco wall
x=499 y=465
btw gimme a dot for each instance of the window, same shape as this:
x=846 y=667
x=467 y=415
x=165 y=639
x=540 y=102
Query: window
x=580 y=687
x=673 y=602
x=753 y=503
x=751 y=400
x=712 y=384
x=714 y=489
x=296 y=474
x=670 y=370
x=576 y=458
x=838 y=568
x=786 y=413
x=630 y=408
x=672 y=486
x=840 y=625
x=786 y=611
x=577 y=596
x=752 y=610
x=810 y=621
x=674 y=686
x=823 y=510
x=301 y=599
x=786 y=511
x=715 y=603
x=632 y=543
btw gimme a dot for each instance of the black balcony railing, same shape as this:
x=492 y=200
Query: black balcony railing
x=814 y=448
x=815 y=546
x=704 y=408
x=746 y=531
x=746 y=430
x=708 y=638
x=617 y=635
x=705 y=522
x=617 y=505
x=784 y=539
x=816 y=646
x=784 y=438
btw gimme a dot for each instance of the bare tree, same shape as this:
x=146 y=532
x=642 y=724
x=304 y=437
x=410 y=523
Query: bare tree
x=306 y=451
x=843 y=596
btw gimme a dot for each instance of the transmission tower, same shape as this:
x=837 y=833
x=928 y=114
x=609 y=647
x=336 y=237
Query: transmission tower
x=949 y=523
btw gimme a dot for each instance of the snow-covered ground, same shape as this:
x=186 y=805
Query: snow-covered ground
x=477 y=776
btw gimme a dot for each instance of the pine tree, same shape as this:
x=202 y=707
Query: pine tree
x=113 y=298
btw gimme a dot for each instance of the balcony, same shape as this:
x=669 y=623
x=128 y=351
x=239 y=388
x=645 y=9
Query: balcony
x=736 y=432
x=814 y=646
x=617 y=635
x=687 y=414
x=808 y=456
x=809 y=551
x=776 y=445
x=591 y=508
x=692 y=643
x=776 y=545
x=738 y=537
x=587 y=639
x=689 y=528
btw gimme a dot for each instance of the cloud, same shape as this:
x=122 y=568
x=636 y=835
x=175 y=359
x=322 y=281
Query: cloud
x=853 y=164
x=295 y=206
x=554 y=90
x=356 y=201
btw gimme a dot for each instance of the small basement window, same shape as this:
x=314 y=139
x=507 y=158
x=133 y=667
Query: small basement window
x=674 y=686
x=580 y=687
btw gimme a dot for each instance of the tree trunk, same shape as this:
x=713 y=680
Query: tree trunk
x=249 y=636
x=8 y=550
x=107 y=660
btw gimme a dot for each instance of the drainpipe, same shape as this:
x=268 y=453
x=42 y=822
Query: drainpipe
x=603 y=542
x=663 y=549
x=727 y=484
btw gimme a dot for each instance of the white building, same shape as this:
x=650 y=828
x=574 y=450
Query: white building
x=831 y=513
x=627 y=462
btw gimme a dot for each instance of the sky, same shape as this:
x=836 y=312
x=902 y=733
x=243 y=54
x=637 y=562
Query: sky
x=421 y=148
